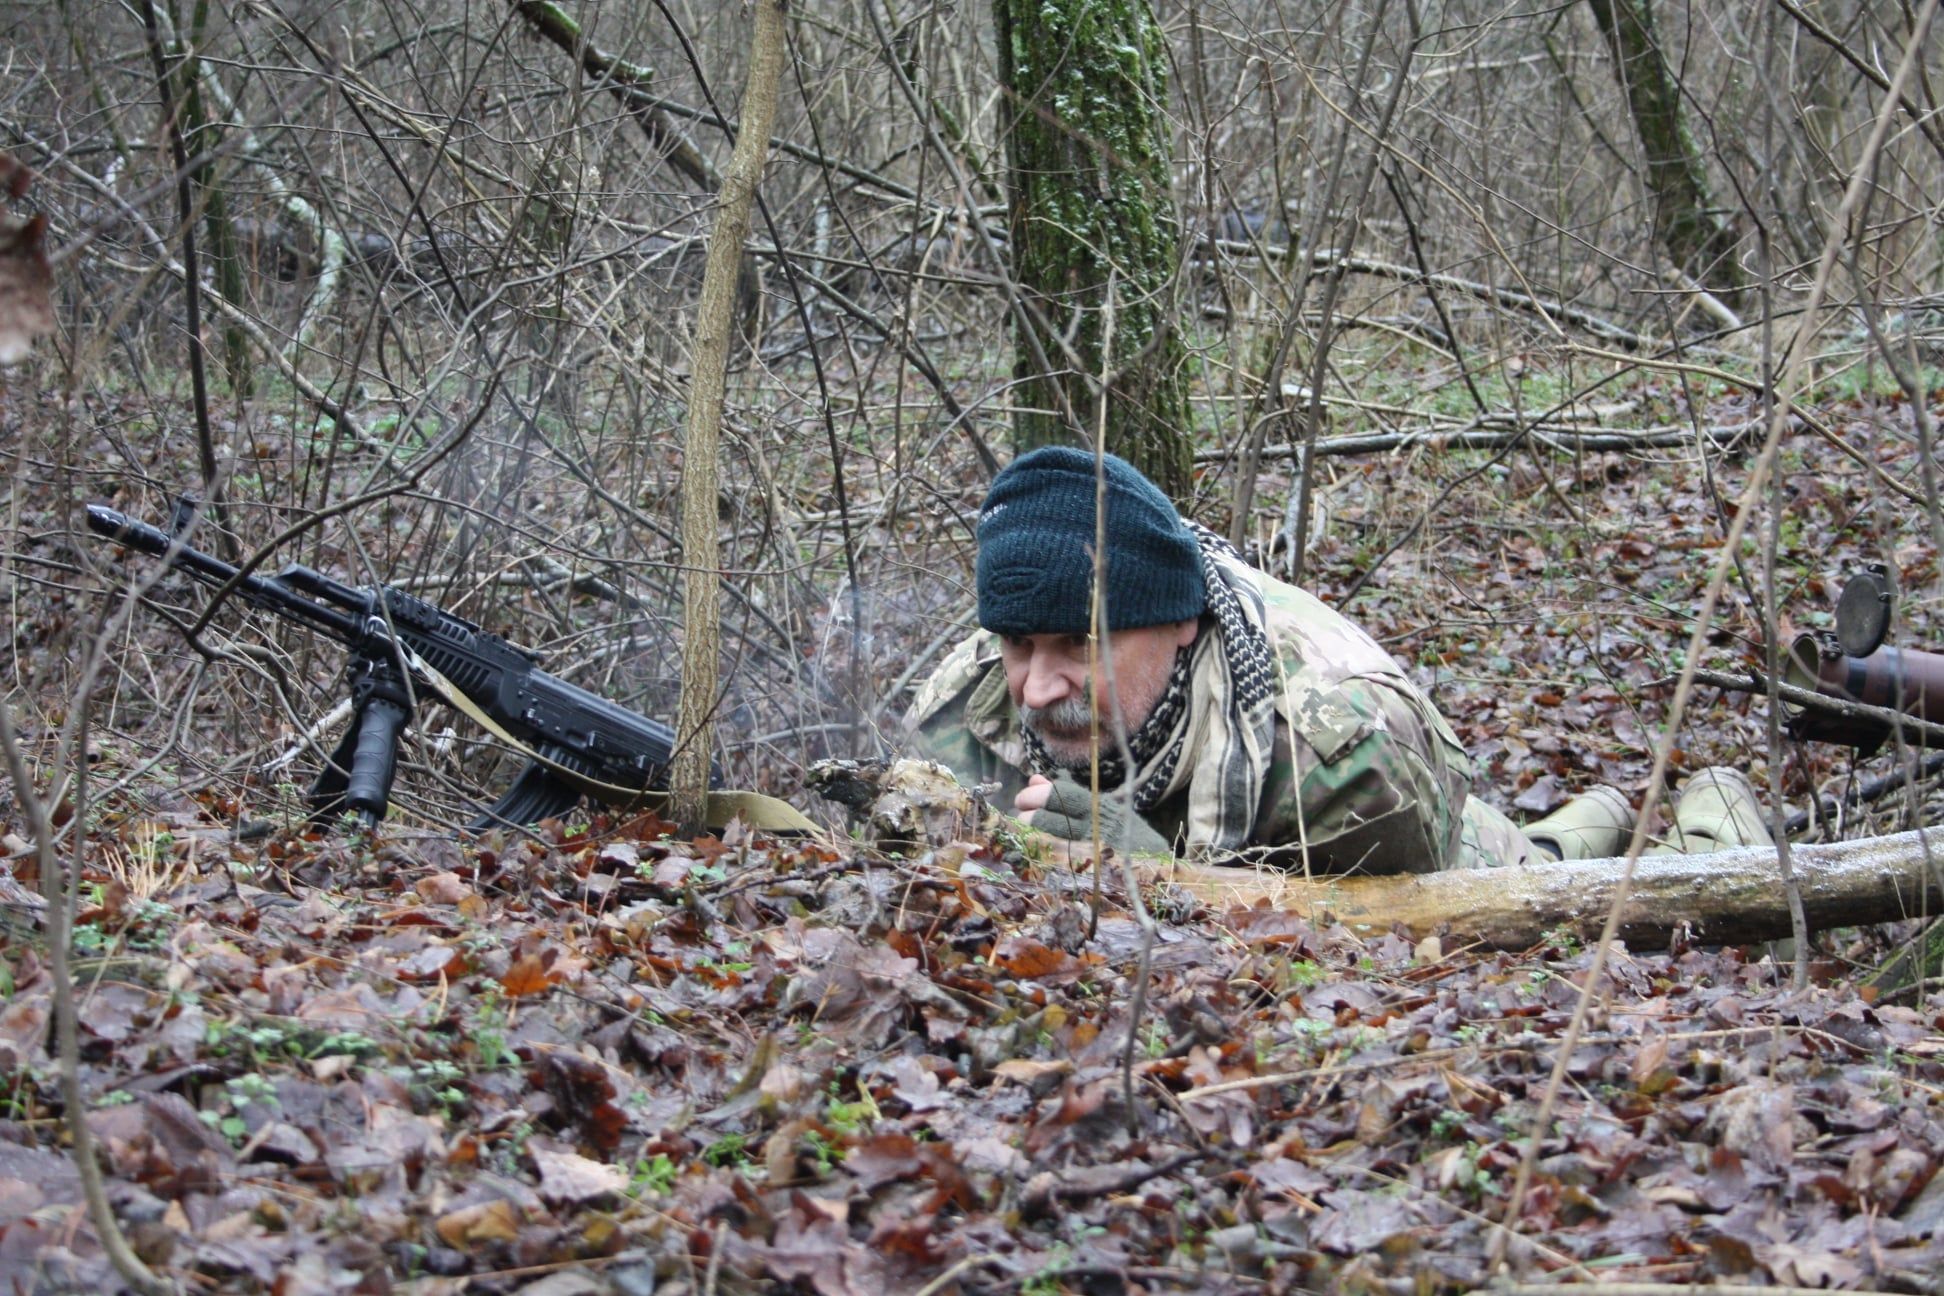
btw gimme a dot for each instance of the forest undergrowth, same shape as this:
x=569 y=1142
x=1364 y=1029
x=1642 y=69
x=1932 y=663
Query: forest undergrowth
x=602 y=1057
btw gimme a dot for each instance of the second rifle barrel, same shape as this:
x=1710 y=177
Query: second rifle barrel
x=1899 y=679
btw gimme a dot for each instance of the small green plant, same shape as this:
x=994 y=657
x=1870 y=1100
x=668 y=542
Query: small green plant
x=480 y=939
x=240 y=1092
x=1046 y=1282
x=17 y=1100
x=231 y=1127
x=653 y=1177
x=356 y=1043
x=229 y=1038
x=848 y=1118
x=488 y=1033
x=435 y=1081
x=513 y=1148
x=731 y=1150
x=825 y=1154
x=1472 y=1176
x=149 y=924
x=1306 y=974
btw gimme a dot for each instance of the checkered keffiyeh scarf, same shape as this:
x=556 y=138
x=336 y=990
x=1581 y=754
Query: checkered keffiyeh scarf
x=1214 y=728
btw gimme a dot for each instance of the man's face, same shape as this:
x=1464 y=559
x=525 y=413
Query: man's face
x=1055 y=682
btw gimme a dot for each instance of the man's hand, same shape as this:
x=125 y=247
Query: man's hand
x=1062 y=808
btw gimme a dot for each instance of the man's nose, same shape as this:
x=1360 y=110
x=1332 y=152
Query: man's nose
x=1048 y=680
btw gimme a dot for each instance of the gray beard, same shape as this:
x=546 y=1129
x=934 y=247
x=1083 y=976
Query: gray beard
x=1069 y=715
x=1071 y=719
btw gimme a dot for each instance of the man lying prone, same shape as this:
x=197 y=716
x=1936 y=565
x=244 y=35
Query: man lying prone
x=1245 y=717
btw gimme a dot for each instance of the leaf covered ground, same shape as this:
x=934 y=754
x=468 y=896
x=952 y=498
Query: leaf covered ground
x=613 y=1060
x=603 y=1058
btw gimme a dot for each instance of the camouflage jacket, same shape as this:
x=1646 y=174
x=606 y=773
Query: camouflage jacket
x=1366 y=776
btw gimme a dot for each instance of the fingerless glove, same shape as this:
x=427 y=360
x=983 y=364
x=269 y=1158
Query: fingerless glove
x=1068 y=813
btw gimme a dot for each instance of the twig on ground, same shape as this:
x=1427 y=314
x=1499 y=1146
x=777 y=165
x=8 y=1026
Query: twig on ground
x=1489 y=433
x=1795 y=695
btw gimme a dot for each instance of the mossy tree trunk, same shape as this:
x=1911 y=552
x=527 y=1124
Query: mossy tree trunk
x=1088 y=153
x=1685 y=219
x=206 y=137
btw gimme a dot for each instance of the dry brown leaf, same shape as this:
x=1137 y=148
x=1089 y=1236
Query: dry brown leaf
x=468 y=1226
x=572 y=1178
x=1027 y=1072
x=532 y=974
x=26 y=286
x=442 y=889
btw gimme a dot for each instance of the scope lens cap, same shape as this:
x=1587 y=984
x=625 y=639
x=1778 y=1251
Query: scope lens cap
x=1863 y=612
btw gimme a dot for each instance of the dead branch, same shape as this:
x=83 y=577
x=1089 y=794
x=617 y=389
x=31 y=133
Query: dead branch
x=331 y=245
x=1728 y=897
x=627 y=82
x=1929 y=734
x=1527 y=303
x=1482 y=434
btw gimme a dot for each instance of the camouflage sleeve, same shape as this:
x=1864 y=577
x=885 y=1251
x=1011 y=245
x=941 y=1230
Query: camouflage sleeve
x=937 y=727
x=1366 y=782
x=942 y=736
x=1491 y=840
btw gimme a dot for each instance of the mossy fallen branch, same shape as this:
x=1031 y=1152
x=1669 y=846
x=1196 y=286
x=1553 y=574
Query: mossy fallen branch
x=1728 y=897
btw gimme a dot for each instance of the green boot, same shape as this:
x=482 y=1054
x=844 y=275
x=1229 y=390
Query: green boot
x=1717 y=810
x=1597 y=824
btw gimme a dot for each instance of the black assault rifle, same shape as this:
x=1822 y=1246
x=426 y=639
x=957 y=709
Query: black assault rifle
x=393 y=637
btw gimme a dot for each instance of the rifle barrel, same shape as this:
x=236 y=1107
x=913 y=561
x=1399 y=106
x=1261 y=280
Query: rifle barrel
x=1900 y=679
x=267 y=593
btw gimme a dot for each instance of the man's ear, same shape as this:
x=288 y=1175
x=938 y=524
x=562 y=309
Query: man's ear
x=1185 y=631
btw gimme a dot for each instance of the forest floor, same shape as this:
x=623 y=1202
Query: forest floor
x=605 y=1058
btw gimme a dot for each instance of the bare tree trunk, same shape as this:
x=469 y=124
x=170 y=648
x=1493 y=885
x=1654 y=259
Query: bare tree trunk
x=714 y=325
x=1685 y=219
x=1089 y=211
x=1723 y=898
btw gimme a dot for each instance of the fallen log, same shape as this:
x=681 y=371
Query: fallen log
x=1729 y=897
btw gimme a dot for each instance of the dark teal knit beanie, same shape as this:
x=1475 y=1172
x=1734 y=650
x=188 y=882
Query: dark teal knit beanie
x=1036 y=539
